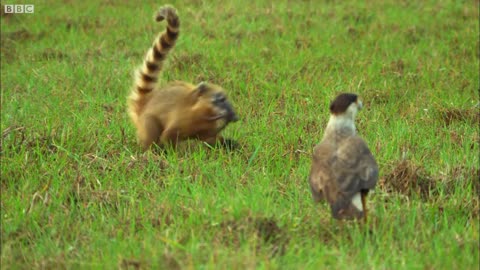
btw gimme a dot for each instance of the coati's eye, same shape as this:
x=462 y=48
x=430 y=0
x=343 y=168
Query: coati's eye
x=219 y=98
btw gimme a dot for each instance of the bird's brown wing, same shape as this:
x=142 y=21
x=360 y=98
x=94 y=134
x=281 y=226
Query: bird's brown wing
x=340 y=170
x=320 y=172
x=354 y=166
x=354 y=170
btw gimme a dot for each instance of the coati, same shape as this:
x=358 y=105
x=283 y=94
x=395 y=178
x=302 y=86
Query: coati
x=176 y=111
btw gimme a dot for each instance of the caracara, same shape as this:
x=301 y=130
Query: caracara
x=343 y=168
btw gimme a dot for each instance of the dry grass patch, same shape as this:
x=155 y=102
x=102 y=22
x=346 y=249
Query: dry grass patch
x=451 y=115
x=408 y=178
x=265 y=229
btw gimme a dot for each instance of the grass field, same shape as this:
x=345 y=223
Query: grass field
x=77 y=192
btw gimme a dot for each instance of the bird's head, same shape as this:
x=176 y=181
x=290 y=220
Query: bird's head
x=346 y=105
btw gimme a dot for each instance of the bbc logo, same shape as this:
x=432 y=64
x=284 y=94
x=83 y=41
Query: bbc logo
x=19 y=8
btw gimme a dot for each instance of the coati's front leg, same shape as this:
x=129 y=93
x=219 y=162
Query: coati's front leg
x=170 y=136
x=220 y=124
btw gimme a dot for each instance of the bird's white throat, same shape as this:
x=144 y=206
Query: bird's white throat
x=343 y=124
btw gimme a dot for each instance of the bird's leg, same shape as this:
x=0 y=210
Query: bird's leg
x=364 y=205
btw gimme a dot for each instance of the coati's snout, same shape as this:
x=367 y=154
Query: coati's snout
x=231 y=116
x=225 y=108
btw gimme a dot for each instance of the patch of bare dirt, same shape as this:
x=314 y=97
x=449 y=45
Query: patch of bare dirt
x=396 y=67
x=408 y=178
x=376 y=96
x=83 y=23
x=265 y=229
x=167 y=262
x=15 y=137
x=452 y=115
x=52 y=262
x=302 y=43
x=19 y=35
x=9 y=40
x=414 y=34
x=127 y=264
x=53 y=54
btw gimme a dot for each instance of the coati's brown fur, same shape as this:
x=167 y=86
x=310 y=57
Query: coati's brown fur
x=167 y=114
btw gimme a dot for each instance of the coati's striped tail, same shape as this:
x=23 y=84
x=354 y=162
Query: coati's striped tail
x=147 y=75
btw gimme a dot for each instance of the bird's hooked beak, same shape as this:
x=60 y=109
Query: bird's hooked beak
x=359 y=105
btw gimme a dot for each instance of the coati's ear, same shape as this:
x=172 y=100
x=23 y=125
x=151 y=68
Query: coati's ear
x=201 y=89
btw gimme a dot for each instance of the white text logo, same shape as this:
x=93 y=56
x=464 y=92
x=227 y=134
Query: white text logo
x=19 y=8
